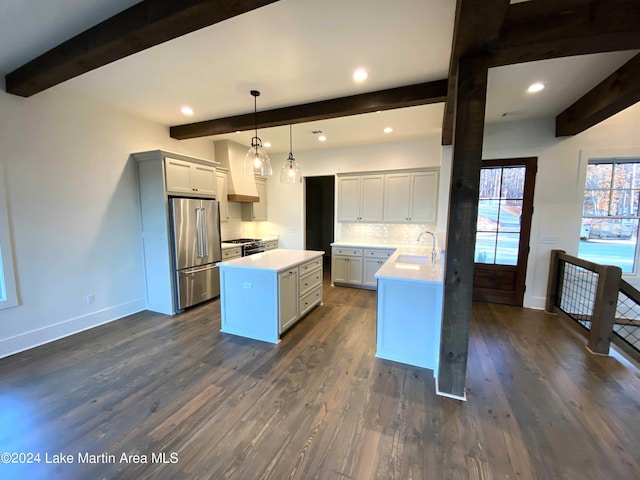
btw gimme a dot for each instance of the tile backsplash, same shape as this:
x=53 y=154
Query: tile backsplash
x=391 y=233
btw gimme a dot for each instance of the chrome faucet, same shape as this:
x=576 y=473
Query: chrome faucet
x=434 y=253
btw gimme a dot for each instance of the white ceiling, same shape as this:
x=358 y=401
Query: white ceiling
x=294 y=51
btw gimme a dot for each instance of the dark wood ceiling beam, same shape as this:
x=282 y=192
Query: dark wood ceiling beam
x=144 y=25
x=400 y=97
x=617 y=92
x=544 y=29
x=476 y=28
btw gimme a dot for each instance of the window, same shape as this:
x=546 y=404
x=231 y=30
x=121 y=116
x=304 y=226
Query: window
x=609 y=232
x=8 y=297
x=499 y=214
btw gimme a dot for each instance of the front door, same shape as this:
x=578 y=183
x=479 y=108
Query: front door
x=505 y=208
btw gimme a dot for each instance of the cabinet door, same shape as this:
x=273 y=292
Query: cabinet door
x=288 y=298
x=424 y=197
x=354 y=270
x=222 y=189
x=203 y=179
x=260 y=208
x=339 y=271
x=397 y=197
x=372 y=198
x=348 y=199
x=178 y=176
x=371 y=266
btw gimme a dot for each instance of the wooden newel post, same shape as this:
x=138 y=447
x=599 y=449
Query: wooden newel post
x=604 y=309
x=552 y=283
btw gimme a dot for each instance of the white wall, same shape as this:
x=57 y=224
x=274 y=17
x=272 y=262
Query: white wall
x=560 y=180
x=286 y=201
x=74 y=212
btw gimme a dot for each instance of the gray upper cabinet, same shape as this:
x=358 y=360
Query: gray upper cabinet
x=360 y=198
x=394 y=196
x=185 y=177
x=411 y=196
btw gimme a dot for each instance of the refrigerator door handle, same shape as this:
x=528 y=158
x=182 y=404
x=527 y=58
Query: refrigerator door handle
x=198 y=232
x=205 y=234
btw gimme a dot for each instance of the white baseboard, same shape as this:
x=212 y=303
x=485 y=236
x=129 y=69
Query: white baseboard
x=35 y=338
x=536 y=303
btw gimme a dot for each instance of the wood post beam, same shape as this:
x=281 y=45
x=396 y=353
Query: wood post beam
x=618 y=91
x=476 y=28
x=400 y=97
x=541 y=30
x=471 y=95
x=137 y=28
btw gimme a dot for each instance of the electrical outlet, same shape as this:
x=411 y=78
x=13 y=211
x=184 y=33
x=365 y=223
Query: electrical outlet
x=91 y=298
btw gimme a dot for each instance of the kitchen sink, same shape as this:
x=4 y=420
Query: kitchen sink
x=415 y=259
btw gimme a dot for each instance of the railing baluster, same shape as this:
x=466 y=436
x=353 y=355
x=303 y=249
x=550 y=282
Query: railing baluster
x=604 y=309
x=552 y=284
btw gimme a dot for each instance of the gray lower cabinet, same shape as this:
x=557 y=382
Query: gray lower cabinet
x=300 y=289
x=357 y=266
x=231 y=253
x=288 y=298
x=271 y=244
x=346 y=266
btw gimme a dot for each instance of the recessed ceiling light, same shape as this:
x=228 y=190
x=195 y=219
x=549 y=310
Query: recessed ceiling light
x=187 y=110
x=535 y=87
x=267 y=144
x=360 y=75
x=388 y=130
x=322 y=138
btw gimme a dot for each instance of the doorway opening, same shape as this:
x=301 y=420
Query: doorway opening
x=319 y=214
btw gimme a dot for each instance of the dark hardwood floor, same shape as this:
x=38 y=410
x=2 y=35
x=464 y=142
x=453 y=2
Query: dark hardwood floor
x=319 y=404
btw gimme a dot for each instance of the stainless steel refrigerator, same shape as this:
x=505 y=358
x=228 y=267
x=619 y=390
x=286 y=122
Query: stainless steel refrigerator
x=196 y=244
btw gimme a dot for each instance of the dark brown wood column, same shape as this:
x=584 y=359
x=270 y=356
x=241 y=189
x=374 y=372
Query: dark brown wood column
x=468 y=130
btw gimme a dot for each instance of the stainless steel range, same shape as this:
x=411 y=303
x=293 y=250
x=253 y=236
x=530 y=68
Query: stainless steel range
x=250 y=246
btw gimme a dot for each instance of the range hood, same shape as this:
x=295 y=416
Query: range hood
x=242 y=188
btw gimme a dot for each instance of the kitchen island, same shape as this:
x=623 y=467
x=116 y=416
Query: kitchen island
x=409 y=310
x=263 y=295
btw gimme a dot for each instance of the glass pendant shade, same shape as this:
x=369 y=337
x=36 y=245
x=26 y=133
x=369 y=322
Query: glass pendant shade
x=290 y=171
x=257 y=162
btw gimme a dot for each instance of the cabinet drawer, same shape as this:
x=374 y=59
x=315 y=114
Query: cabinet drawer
x=357 y=252
x=371 y=253
x=310 y=281
x=229 y=253
x=309 y=266
x=308 y=301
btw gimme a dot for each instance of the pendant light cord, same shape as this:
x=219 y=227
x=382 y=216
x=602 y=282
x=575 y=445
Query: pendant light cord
x=255 y=113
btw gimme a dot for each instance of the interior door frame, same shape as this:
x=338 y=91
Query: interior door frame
x=517 y=296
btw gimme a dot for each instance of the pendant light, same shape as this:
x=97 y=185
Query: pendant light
x=290 y=171
x=257 y=161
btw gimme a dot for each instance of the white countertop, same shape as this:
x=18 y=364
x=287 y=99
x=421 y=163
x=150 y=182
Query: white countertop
x=277 y=260
x=419 y=272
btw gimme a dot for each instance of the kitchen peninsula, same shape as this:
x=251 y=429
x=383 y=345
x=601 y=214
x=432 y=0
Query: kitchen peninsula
x=263 y=295
x=410 y=308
